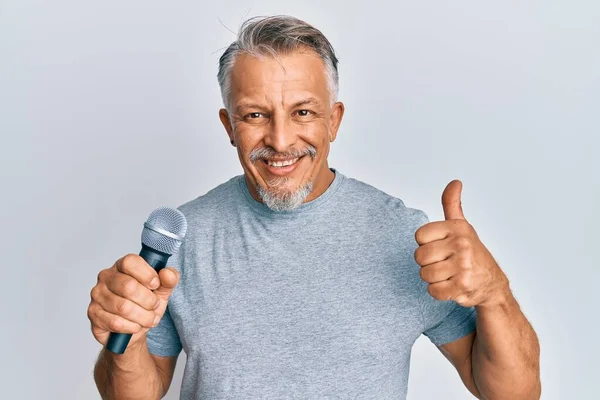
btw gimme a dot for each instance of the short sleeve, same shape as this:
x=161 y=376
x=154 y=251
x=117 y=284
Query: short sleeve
x=163 y=339
x=444 y=321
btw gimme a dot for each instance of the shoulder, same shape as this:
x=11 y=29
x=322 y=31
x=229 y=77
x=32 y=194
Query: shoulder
x=377 y=203
x=216 y=199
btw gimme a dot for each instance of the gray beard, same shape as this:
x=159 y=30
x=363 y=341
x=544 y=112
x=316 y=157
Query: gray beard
x=278 y=200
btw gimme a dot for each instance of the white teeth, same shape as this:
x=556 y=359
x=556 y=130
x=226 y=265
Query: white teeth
x=282 y=163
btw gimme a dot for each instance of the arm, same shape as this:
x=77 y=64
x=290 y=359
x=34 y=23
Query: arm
x=135 y=374
x=127 y=299
x=500 y=360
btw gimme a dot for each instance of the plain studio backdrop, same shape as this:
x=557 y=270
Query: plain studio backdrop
x=109 y=110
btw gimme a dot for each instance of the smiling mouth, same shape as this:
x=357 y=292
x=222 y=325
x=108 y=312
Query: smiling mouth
x=282 y=167
x=281 y=163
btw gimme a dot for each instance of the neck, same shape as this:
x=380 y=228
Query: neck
x=321 y=183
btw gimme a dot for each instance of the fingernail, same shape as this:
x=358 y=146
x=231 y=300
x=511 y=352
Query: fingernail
x=156 y=320
x=157 y=304
x=154 y=283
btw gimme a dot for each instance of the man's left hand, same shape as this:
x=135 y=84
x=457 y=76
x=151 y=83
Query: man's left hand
x=454 y=262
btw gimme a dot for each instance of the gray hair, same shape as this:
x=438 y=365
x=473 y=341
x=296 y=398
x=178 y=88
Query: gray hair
x=286 y=201
x=273 y=36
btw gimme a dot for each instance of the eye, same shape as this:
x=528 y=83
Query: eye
x=304 y=113
x=256 y=118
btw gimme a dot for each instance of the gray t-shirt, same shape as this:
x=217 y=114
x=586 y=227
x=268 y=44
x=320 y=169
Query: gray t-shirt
x=324 y=301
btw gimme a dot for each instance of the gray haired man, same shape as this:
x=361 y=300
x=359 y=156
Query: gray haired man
x=295 y=281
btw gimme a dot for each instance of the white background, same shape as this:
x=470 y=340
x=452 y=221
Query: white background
x=109 y=109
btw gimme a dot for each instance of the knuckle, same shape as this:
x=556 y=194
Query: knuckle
x=102 y=275
x=427 y=274
x=128 y=260
x=129 y=287
x=461 y=299
x=123 y=307
x=418 y=256
x=418 y=236
x=151 y=302
x=91 y=314
x=115 y=324
x=433 y=292
x=463 y=243
x=95 y=294
x=465 y=281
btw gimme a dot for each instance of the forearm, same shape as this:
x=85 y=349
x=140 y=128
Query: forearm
x=129 y=376
x=505 y=354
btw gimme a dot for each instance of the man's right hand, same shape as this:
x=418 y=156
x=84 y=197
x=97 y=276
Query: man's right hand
x=130 y=297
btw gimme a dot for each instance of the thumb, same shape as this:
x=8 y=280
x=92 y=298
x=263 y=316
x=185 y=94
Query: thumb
x=451 y=201
x=169 y=277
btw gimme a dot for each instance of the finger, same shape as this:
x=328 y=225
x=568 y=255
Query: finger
x=126 y=286
x=445 y=290
x=432 y=231
x=169 y=277
x=127 y=309
x=433 y=252
x=103 y=321
x=451 y=201
x=136 y=267
x=439 y=271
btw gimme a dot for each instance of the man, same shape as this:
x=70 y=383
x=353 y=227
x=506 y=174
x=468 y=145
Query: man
x=295 y=281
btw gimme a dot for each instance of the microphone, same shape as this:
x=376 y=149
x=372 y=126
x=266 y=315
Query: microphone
x=162 y=235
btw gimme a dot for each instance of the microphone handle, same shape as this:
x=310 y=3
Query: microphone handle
x=117 y=342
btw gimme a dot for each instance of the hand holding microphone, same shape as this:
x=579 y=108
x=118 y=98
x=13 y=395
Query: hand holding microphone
x=131 y=296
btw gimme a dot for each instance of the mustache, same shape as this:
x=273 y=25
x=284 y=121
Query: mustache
x=268 y=152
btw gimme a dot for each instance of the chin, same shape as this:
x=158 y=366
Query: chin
x=282 y=198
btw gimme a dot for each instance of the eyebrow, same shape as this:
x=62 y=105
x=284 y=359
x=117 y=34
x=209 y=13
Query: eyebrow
x=249 y=105
x=308 y=100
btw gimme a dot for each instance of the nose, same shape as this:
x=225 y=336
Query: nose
x=281 y=134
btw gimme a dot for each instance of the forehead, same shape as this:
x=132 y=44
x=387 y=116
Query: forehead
x=284 y=79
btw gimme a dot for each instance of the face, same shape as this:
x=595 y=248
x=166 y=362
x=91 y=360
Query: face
x=282 y=122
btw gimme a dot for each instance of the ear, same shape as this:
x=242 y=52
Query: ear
x=224 y=117
x=337 y=113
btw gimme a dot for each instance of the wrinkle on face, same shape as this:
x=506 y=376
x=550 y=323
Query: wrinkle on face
x=283 y=104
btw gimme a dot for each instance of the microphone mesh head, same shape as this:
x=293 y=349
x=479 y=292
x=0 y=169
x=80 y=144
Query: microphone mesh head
x=170 y=220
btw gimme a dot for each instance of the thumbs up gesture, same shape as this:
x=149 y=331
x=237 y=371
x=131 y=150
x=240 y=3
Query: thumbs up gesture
x=454 y=261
